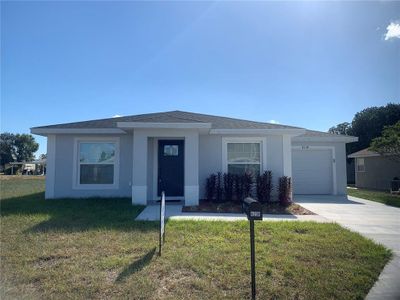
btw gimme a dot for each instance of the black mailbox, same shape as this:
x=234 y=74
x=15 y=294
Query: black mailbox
x=252 y=208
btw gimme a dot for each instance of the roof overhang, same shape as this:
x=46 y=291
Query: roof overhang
x=292 y=132
x=341 y=139
x=49 y=131
x=158 y=125
x=361 y=155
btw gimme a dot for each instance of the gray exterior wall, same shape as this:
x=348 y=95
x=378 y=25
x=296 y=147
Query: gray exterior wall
x=340 y=153
x=64 y=161
x=379 y=172
x=209 y=161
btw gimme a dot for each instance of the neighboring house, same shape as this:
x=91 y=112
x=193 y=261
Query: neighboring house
x=35 y=167
x=374 y=171
x=138 y=156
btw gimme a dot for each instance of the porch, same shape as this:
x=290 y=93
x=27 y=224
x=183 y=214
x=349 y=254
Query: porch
x=166 y=159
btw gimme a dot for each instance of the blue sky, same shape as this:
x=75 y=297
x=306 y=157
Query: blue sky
x=309 y=64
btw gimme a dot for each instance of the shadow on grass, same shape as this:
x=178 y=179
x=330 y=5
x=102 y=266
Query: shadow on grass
x=136 y=266
x=76 y=215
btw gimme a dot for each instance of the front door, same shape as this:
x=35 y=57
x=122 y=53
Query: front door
x=170 y=167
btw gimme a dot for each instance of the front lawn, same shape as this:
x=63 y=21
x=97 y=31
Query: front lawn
x=93 y=249
x=377 y=196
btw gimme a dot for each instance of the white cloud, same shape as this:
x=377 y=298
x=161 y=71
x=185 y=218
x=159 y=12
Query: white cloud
x=273 y=122
x=393 y=31
x=116 y=116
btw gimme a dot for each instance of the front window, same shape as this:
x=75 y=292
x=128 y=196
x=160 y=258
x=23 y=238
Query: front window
x=360 y=165
x=244 y=158
x=96 y=162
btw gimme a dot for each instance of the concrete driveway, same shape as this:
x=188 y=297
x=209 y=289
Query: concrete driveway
x=373 y=220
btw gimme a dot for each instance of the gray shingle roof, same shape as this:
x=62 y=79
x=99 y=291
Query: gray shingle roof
x=363 y=153
x=314 y=133
x=217 y=122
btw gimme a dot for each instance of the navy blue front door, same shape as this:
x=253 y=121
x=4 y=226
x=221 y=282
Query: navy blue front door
x=170 y=167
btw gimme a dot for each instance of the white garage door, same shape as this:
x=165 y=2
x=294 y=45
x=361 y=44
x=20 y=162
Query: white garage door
x=312 y=171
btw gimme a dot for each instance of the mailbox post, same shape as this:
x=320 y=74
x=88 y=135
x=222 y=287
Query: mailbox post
x=162 y=222
x=253 y=210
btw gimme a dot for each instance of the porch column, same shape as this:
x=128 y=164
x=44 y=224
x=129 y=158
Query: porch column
x=287 y=158
x=139 y=168
x=51 y=167
x=287 y=155
x=192 y=169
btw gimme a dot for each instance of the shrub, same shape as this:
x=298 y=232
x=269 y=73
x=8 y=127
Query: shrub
x=285 y=188
x=247 y=184
x=228 y=186
x=264 y=187
x=238 y=187
x=219 y=188
x=210 y=187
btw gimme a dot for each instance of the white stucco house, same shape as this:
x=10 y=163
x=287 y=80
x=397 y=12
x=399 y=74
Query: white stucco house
x=137 y=156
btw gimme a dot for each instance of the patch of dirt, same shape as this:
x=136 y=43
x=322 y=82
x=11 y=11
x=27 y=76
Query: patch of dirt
x=49 y=261
x=111 y=276
x=236 y=208
x=301 y=230
x=173 y=281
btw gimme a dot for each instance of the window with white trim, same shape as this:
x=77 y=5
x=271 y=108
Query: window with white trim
x=243 y=157
x=96 y=162
x=360 y=165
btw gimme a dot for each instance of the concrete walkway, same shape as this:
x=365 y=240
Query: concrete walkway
x=174 y=212
x=376 y=221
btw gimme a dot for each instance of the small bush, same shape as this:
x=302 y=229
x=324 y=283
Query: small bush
x=219 y=188
x=264 y=187
x=285 y=189
x=228 y=186
x=248 y=182
x=238 y=187
x=210 y=187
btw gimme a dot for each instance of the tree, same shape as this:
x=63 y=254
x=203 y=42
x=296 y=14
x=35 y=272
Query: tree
x=42 y=156
x=17 y=147
x=369 y=123
x=7 y=148
x=389 y=142
x=25 y=146
x=342 y=128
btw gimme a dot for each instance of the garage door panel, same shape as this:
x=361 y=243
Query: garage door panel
x=312 y=171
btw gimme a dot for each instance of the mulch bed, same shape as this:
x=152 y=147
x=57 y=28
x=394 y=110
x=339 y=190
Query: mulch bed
x=232 y=207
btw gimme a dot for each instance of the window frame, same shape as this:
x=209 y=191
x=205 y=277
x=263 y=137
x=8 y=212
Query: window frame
x=76 y=164
x=358 y=165
x=245 y=140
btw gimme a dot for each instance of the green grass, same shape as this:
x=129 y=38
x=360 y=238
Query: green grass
x=377 y=196
x=92 y=248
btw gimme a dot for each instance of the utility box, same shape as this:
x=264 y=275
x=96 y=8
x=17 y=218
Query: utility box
x=252 y=208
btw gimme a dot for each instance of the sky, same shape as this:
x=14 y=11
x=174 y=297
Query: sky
x=308 y=64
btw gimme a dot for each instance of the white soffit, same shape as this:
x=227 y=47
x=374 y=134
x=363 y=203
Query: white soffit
x=292 y=132
x=47 y=131
x=346 y=139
